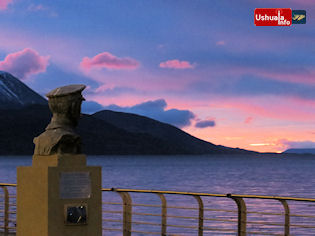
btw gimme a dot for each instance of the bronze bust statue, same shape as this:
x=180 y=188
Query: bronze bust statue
x=59 y=136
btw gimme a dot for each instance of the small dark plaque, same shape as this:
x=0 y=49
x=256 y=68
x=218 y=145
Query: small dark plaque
x=76 y=215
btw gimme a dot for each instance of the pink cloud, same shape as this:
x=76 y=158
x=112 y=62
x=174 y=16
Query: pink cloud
x=176 y=64
x=294 y=74
x=220 y=43
x=109 y=61
x=248 y=120
x=286 y=109
x=24 y=63
x=4 y=4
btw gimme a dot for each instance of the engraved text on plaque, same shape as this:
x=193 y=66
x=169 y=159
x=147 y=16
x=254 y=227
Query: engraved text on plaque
x=75 y=185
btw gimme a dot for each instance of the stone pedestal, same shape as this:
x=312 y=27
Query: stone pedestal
x=59 y=196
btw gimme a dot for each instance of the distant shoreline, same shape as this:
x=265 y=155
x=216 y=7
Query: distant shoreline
x=256 y=155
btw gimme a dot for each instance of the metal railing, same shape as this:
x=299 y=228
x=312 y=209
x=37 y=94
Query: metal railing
x=242 y=219
x=152 y=212
x=7 y=208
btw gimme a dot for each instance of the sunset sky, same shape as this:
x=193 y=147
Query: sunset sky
x=198 y=64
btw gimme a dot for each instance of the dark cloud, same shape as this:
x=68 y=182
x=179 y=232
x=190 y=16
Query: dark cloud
x=205 y=124
x=157 y=110
x=296 y=144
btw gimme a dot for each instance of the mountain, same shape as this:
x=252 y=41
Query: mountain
x=178 y=139
x=300 y=150
x=19 y=127
x=25 y=114
x=15 y=94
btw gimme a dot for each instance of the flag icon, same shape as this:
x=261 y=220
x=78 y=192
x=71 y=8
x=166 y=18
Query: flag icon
x=298 y=17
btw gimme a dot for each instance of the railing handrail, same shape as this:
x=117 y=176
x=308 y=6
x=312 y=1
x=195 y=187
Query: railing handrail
x=195 y=193
x=229 y=195
x=7 y=185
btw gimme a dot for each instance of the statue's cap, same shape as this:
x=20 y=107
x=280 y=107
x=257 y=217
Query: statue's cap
x=66 y=90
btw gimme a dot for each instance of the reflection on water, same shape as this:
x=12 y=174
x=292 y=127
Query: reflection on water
x=219 y=174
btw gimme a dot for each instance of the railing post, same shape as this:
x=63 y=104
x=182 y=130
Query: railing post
x=241 y=231
x=127 y=213
x=164 y=214
x=286 y=217
x=6 y=210
x=201 y=210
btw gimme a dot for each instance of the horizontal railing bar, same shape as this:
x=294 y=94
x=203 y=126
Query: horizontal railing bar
x=264 y=233
x=217 y=219
x=144 y=232
x=144 y=223
x=12 y=196
x=275 y=197
x=112 y=211
x=12 y=212
x=264 y=223
x=209 y=194
x=194 y=193
x=304 y=216
x=183 y=217
x=111 y=220
x=265 y=213
x=302 y=226
x=7 y=185
x=111 y=229
x=146 y=214
x=146 y=205
x=112 y=203
x=184 y=208
x=219 y=229
x=9 y=227
x=209 y=209
x=183 y=226
x=162 y=192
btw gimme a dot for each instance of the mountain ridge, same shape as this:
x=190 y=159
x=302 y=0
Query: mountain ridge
x=15 y=94
x=103 y=133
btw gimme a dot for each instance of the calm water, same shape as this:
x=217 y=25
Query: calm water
x=221 y=174
x=294 y=176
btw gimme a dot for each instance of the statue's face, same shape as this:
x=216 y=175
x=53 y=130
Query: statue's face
x=76 y=110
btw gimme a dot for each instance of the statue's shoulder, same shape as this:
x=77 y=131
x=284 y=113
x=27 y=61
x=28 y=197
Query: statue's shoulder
x=56 y=140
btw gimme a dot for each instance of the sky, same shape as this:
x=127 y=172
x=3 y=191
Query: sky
x=200 y=65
